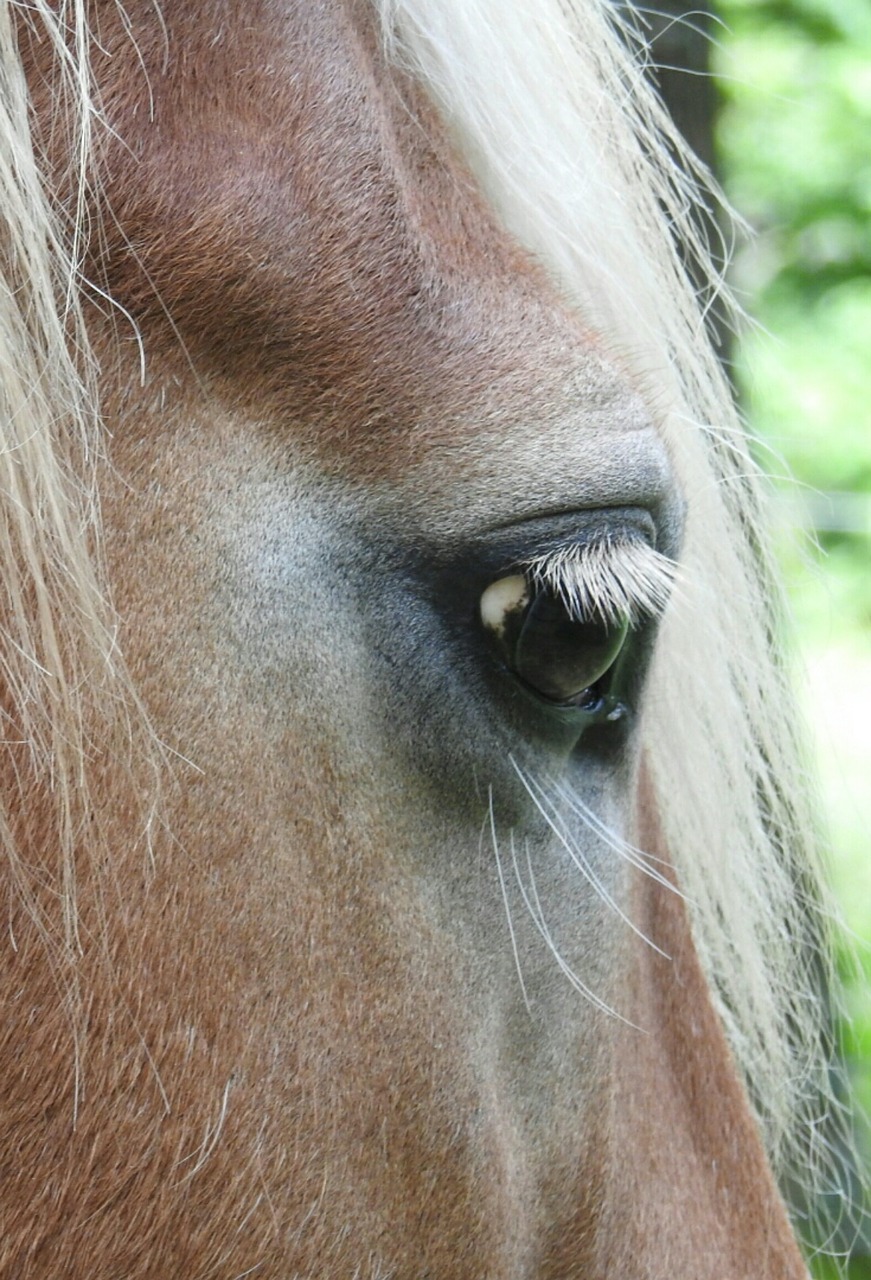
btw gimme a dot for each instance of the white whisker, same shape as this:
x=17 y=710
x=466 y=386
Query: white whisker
x=636 y=857
x=491 y=821
x=540 y=799
x=533 y=906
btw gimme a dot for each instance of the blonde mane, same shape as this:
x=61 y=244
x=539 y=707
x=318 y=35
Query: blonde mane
x=67 y=700
x=579 y=159
x=54 y=618
x=574 y=152
x=577 y=155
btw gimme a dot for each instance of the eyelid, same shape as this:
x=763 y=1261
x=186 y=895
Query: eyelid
x=520 y=547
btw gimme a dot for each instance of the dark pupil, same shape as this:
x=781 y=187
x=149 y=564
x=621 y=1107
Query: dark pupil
x=560 y=656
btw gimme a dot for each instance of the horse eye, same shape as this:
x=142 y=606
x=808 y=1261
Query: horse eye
x=560 y=656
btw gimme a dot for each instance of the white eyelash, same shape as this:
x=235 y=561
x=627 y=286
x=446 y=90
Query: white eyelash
x=616 y=580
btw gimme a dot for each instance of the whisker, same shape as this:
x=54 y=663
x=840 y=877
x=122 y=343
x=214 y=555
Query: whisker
x=492 y=824
x=533 y=905
x=637 y=858
x=540 y=799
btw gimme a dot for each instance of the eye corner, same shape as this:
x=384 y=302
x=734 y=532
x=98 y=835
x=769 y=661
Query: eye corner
x=504 y=601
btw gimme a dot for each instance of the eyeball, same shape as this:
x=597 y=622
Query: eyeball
x=560 y=656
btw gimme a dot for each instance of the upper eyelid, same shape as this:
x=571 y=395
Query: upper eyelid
x=551 y=534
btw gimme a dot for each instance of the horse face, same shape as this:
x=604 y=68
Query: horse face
x=367 y=1009
x=368 y=407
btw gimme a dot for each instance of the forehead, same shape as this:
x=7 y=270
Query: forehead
x=286 y=216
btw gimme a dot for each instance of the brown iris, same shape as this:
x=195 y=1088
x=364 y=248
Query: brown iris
x=560 y=656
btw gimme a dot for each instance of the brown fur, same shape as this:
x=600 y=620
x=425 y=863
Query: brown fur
x=310 y=240
x=282 y=1070
x=684 y=1148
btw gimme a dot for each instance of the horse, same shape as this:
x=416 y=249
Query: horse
x=407 y=865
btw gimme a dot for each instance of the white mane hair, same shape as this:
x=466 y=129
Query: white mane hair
x=67 y=702
x=55 y=626
x=567 y=141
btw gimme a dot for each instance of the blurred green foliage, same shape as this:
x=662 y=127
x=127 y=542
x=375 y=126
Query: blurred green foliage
x=794 y=145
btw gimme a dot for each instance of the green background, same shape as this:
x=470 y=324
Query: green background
x=794 y=152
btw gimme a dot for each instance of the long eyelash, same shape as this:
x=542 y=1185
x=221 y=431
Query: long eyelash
x=616 y=580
